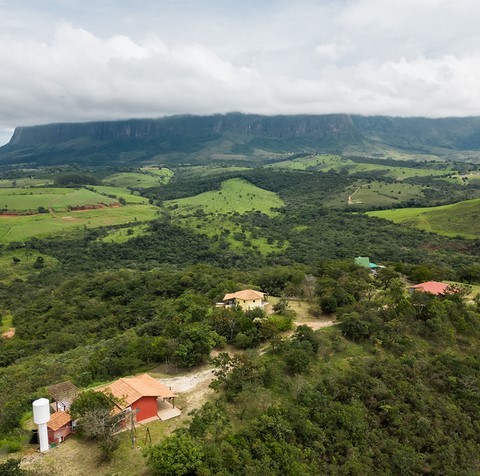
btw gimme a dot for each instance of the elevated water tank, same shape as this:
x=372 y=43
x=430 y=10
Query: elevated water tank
x=41 y=411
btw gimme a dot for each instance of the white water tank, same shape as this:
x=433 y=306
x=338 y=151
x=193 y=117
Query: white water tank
x=41 y=416
x=41 y=411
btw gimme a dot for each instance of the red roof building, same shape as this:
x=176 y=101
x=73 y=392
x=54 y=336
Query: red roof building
x=59 y=427
x=433 y=287
x=142 y=394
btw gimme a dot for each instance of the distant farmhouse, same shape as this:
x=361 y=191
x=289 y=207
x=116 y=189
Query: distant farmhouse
x=433 y=287
x=144 y=396
x=364 y=262
x=246 y=299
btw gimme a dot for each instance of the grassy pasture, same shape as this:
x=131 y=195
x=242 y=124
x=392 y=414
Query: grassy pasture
x=150 y=177
x=9 y=271
x=316 y=162
x=326 y=162
x=211 y=213
x=122 y=235
x=18 y=200
x=210 y=170
x=25 y=182
x=235 y=195
x=458 y=219
x=21 y=228
x=378 y=193
x=120 y=192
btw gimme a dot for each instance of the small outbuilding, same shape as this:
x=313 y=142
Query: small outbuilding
x=59 y=427
x=364 y=262
x=246 y=299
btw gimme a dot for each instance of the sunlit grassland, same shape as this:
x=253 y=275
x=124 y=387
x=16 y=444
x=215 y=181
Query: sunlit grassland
x=120 y=192
x=210 y=170
x=10 y=270
x=458 y=219
x=151 y=177
x=25 y=182
x=379 y=193
x=121 y=235
x=327 y=162
x=19 y=199
x=21 y=228
x=211 y=213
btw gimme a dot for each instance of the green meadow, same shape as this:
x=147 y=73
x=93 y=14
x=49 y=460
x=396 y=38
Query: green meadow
x=119 y=192
x=212 y=213
x=148 y=177
x=458 y=219
x=21 y=228
x=23 y=265
x=58 y=199
x=326 y=162
x=235 y=195
x=380 y=193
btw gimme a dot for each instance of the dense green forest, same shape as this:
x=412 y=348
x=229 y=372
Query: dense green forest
x=392 y=388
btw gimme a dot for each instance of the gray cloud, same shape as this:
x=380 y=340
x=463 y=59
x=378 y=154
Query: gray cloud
x=75 y=61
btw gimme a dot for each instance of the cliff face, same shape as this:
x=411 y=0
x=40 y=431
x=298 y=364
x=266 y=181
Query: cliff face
x=193 y=139
x=188 y=126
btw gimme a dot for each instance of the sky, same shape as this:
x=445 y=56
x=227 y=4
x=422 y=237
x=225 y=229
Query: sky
x=70 y=60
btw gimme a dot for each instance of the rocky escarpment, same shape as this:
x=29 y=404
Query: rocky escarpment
x=196 y=139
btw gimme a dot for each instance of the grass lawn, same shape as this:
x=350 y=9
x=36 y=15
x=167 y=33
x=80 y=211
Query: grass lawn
x=21 y=228
x=25 y=182
x=458 y=219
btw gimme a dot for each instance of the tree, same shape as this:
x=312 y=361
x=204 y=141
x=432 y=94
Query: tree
x=16 y=260
x=177 y=455
x=96 y=421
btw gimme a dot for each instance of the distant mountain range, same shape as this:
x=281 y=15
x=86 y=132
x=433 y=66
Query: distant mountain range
x=239 y=137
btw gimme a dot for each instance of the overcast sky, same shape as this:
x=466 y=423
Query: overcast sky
x=72 y=60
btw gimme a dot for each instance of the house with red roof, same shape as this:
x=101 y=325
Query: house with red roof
x=144 y=396
x=246 y=299
x=59 y=427
x=433 y=287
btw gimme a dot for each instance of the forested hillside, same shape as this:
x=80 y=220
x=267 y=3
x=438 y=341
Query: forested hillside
x=390 y=387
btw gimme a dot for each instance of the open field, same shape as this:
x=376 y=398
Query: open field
x=20 y=200
x=211 y=213
x=9 y=270
x=316 y=162
x=119 y=192
x=21 y=228
x=458 y=219
x=338 y=163
x=151 y=178
x=378 y=193
x=209 y=170
x=236 y=195
x=122 y=235
x=25 y=182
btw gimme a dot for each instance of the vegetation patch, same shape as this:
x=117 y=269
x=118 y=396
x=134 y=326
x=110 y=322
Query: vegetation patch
x=43 y=199
x=380 y=193
x=458 y=219
x=118 y=193
x=144 y=179
x=21 y=228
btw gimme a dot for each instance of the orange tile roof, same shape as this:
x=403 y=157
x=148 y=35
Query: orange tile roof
x=432 y=287
x=246 y=295
x=130 y=389
x=59 y=419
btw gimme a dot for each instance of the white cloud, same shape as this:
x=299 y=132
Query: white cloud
x=108 y=60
